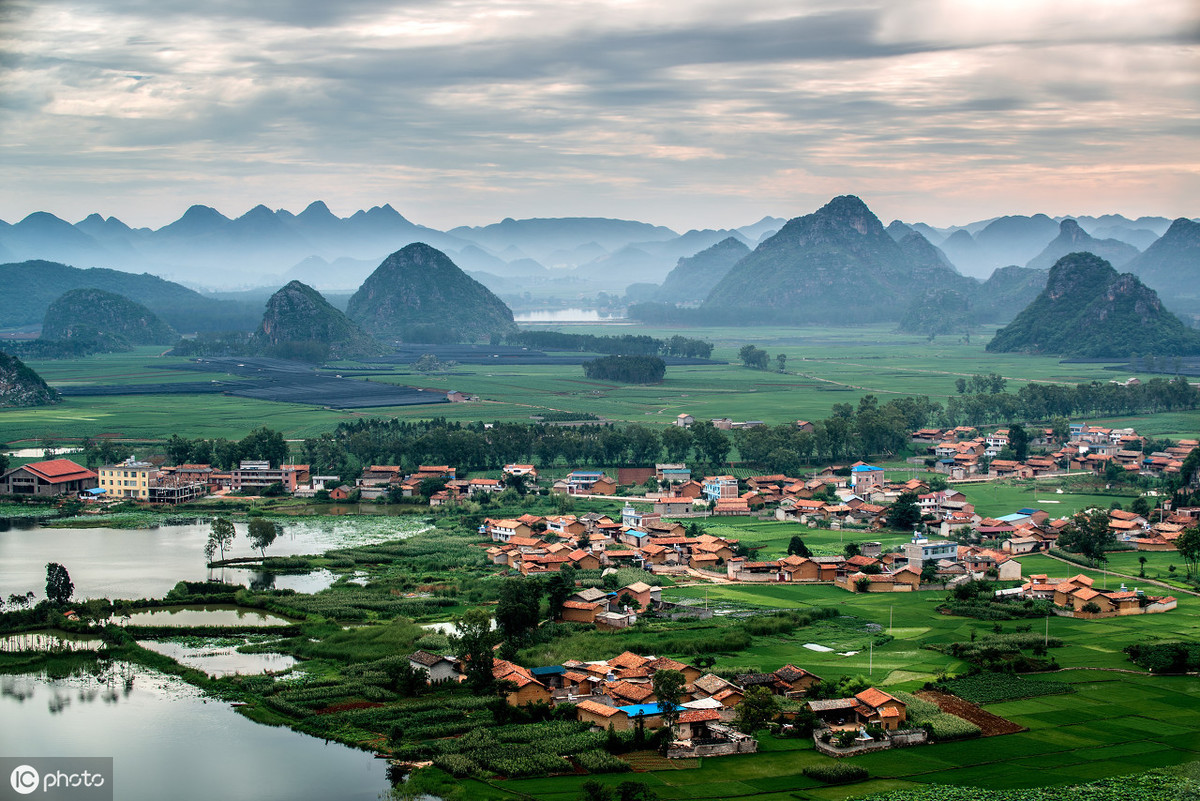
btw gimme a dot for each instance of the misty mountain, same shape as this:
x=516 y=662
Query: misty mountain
x=1073 y=239
x=299 y=321
x=1171 y=265
x=898 y=230
x=1088 y=309
x=417 y=291
x=547 y=239
x=31 y=286
x=695 y=276
x=838 y=263
x=766 y=227
x=104 y=320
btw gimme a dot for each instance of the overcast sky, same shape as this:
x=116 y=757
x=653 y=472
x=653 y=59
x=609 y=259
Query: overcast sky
x=687 y=113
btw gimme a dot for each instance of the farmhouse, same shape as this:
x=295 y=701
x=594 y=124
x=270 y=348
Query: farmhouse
x=52 y=477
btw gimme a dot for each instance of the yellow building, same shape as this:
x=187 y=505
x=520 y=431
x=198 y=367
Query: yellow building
x=127 y=480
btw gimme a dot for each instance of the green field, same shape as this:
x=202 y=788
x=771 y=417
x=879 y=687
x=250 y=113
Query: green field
x=1115 y=723
x=998 y=498
x=825 y=366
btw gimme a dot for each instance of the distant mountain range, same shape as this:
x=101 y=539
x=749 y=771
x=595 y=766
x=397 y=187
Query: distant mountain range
x=570 y=257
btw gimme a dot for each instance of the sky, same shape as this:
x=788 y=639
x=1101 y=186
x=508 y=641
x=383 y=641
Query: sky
x=704 y=113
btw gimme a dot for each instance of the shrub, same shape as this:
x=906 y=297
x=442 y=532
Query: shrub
x=837 y=773
x=599 y=761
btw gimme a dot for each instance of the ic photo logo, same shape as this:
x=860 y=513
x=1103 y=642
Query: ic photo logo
x=25 y=779
x=57 y=778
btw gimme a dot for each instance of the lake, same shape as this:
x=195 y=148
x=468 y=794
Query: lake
x=567 y=316
x=209 y=615
x=168 y=741
x=219 y=660
x=148 y=562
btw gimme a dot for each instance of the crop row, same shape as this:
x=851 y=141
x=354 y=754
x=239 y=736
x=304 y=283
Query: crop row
x=991 y=688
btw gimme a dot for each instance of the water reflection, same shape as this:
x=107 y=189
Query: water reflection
x=147 y=563
x=165 y=736
x=220 y=658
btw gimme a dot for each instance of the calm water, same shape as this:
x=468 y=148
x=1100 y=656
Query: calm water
x=566 y=316
x=147 y=563
x=210 y=615
x=168 y=742
x=220 y=660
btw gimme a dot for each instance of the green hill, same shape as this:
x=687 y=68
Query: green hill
x=31 y=286
x=300 y=323
x=695 y=276
x=103 y=321
x=1088 y=309
x=21 y=386
x=837 y=264
x=419 y=295
x=1171 y=265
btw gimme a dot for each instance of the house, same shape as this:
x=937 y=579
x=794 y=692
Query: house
x=526 y=689
x=526 y=470
x=717 y=488
x=590 y=482
x=684 y=420
x=693 y=724
x=799 y=679
x=581 y=611
x=340 y=493
x=255 y=475
x=672 y=506
x=48 y=478
x=436 y=668
x=673 y=473
x=881 y=709
x=865 y=477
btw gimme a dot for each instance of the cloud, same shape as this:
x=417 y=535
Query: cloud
x=688 y=114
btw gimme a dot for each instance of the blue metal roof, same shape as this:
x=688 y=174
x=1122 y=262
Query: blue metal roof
x=1013 y=518
x=1028 y=511
x=549 y=670
x=641 y=710
x=865 y=468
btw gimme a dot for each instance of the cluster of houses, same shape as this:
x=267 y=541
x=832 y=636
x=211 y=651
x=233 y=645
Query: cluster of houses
x=533 y=545
x=1079 y=597
x=618 y=693
x=129 y=480
x=964 y=453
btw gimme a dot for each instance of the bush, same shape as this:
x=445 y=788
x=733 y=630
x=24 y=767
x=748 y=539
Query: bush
x=600 y=761
x=837 y=773
x=944 y=727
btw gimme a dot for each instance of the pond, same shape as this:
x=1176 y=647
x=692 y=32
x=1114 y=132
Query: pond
x=217 y=659
x=567 y=316
x=210 y=615
x=168 y=741
x=148 y=562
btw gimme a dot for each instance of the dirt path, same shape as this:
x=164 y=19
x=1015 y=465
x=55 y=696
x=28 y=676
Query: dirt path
x=1121 y=575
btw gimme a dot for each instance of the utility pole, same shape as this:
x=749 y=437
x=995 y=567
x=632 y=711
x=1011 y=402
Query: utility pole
x=890 y=610
x=1046 y=642
x=871 y=662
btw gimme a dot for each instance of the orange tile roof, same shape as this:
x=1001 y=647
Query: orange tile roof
x=597 y=709
x=874 y=697
x=59 y=470
x=699 y=715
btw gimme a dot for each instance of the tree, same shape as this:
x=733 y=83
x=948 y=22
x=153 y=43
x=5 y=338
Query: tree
x=1060 y=427
x=518 y=610
x=262 y=533
x=851 y=549
x=677 y=442
x=905 y=512
x=473 y=645
x=929 y=571
x=220 y=535
x=781 y=361
x=668 y=688
x=1018 y=440
x=753 y=357
x=59 y=587
x=1188 y=544
x=757 y=708
x=1088 y=535
x=1140 y=506
x=797 y=547
x=559 y=587
x=1142 y=564
x=710 y=442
